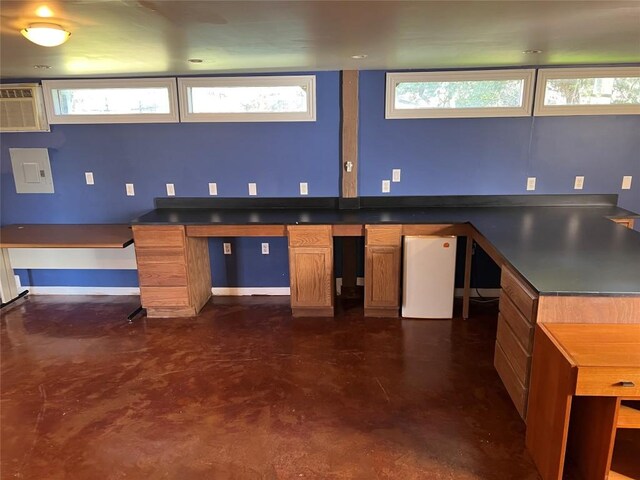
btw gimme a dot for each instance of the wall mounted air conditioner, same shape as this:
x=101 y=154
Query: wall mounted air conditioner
x=22 y=108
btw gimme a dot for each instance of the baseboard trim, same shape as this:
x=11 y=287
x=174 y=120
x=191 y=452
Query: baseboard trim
x=216 y=291
x=82 y=290
x=243 y=291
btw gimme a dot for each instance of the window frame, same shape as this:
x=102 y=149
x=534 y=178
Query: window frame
x=51 y=102
x=305 y=81
x=394 y=78
x=546 y=74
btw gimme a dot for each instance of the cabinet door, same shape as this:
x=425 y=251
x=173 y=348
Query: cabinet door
x=382 y=276
x=311 y=276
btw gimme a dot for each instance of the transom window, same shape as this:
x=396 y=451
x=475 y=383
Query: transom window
x=588 y=91
x=111 y=101
x=484 y=93
x=247 y=99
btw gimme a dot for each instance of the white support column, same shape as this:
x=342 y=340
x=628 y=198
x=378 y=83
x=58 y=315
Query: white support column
x=8 y=288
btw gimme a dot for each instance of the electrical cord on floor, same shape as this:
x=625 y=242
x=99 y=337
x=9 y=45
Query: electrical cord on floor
x=482 y=299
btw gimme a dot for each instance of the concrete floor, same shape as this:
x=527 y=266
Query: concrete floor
x=245 y=391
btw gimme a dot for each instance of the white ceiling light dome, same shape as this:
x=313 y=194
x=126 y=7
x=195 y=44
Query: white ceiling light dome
x=46 y=34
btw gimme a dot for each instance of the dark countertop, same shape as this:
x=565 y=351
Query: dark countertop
x=560 y=250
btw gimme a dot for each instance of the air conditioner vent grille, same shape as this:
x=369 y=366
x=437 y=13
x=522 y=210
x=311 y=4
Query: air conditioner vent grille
x=17 y=114
x=16 y=93
x=22 y=109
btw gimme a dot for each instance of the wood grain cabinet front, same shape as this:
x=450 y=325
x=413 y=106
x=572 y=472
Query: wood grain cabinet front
x=173 y=271
x=514 y=342
x=311 y=270
x=625 y=222
x=383 y=254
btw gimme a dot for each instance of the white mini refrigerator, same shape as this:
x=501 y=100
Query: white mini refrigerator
x=429 y=277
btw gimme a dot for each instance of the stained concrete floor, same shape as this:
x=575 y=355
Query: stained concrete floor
x=245 y=391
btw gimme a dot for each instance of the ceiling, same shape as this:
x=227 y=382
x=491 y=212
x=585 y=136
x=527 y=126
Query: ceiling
x=156 y=37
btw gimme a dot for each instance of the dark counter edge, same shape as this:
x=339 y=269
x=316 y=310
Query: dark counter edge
x=454 y=201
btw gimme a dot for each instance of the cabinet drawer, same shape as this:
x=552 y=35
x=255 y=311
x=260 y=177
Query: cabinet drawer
x=158 y=236
x=164 y=296
x=310 y=236
x=387 y=235
x=523 y=296
x=146 y=256
x=518 y=357
x=515 y=388
x=606 y=381
x=162 y=274
x=521 y=327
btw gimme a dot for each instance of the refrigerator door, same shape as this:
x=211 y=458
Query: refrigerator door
x=429 y=276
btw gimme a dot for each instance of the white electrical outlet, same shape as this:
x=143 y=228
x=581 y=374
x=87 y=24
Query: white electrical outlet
x=253 y=189
x=304 y=188
x=579 y=183
x=213 y=189
x=130 y=191
x=531 y=183
x=265 y=249
x=171 y=190
x=226 y=248
x=626 y=182
x=395 y=175
x=386 y=186
x=88 y=176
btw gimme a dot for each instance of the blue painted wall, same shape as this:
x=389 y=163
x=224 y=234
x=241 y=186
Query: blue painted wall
x=437 y=157
x=277 y=156
x=466 y=156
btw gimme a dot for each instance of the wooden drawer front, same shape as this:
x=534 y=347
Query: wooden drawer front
x=162 y=274
x=517 y=391
x=146 y=256
x=389 y=235
x=520 y=293
x=605 y=381
x=158 y=236
x=310 y=236
x=164 y=296
x=522 y=329
x=518 y=357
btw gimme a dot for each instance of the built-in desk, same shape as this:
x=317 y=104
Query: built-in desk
x=561 y=248
x=54 y=236
x=582 y=376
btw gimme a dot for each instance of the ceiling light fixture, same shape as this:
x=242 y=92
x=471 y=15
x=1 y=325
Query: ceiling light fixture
x=359 y=57
x=46 y=34
x=195 y=60
x=529 y=52
x=44 y=12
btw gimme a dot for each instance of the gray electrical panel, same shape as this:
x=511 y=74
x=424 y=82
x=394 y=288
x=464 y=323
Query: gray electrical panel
x=31 y=170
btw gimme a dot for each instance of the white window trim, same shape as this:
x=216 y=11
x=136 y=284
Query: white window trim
x=545 y=74
x=456 y=76
x=306 y=81
x=54 y=118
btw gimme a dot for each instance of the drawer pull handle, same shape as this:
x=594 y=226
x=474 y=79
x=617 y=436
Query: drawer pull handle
x=624 y=383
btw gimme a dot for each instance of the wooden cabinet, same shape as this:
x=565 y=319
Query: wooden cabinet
x=173 y=271
x=383 y=253
x=514 y=343
x=311 y=270
x=625 y=222
x=584 y=400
